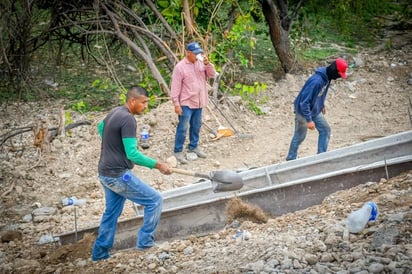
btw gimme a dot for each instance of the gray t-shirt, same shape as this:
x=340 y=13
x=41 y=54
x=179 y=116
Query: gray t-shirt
x=118 y=124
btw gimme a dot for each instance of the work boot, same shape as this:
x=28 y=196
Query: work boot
x=180 y=158
x=198 y=152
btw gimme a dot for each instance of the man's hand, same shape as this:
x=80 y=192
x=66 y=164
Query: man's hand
x=205 y=60
x=163 y=168
x=178 y=110
x=324 y=110
x=311 y=125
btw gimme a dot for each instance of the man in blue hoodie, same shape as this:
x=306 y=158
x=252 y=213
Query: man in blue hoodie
x=310 y=107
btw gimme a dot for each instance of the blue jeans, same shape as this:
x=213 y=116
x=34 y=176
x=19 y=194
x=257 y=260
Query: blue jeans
x=192 y=117
x=116 y=192
x=300 y=134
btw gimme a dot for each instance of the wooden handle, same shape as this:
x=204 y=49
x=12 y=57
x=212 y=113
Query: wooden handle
x=214 y=115
x=190 y=173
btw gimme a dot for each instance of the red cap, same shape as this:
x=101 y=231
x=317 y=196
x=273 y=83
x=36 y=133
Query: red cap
x=341 y=66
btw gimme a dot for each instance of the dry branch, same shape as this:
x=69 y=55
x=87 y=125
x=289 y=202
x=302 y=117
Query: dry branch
x=52 y=131
x=8 y=191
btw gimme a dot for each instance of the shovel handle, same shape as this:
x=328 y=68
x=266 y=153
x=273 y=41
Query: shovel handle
x=214 y=115
x=190 y=173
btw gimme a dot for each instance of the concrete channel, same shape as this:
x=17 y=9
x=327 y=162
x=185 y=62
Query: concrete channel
x=277 y=189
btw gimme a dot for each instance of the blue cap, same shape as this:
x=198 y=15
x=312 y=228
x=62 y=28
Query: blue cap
x=374 y=211
x=194 y=47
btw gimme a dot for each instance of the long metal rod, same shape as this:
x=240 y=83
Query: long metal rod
x=386 y=168
x=75 y=224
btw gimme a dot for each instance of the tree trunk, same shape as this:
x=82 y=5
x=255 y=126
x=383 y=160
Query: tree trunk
x=279 y=36
x=188 y=18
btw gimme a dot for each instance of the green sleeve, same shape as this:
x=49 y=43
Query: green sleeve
x=134 y=155
x=100 y=127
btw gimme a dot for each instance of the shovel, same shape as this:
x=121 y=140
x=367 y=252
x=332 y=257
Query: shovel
x=225 y=180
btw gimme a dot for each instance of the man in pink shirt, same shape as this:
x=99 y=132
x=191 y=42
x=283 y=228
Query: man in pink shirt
x=189 y=96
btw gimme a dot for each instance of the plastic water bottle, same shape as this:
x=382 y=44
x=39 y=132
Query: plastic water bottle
x=144 y=137
x=358 y=219
x=73 y=201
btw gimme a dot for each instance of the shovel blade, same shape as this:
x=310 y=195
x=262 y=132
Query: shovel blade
x=221 y=187
x=226 y=180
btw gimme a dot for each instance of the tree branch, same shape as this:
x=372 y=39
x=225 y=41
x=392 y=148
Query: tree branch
x=53 y=131
x=138 y=51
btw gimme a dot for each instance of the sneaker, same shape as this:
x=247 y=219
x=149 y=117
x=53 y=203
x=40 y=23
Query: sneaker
x=180 y=158
x=198 y=152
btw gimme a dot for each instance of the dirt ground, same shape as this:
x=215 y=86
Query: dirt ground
x=374 y=101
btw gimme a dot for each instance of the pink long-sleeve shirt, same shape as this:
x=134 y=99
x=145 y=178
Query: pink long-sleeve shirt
x=189 y=83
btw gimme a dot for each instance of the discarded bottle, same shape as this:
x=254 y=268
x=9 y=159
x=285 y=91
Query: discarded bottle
x=45 y=239
x=73 y=201
x=358 y=219
x=144 y=137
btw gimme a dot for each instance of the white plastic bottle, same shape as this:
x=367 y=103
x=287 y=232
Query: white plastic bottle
x=73 y=201
x=199 y=57
x=358 y=219
x=144 y=137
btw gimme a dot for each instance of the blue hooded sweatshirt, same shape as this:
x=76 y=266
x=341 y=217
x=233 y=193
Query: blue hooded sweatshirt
x=311 y=99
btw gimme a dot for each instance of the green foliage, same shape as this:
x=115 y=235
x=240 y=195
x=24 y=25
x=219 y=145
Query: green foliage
x=317 y=54
x=80 y=106
x=347 y=22
x=100 y=95
x=240 y=40
x=122 y=98
x=254 y=95
x=171 y=10
x=253 y=107
x=68 y=118
x=389 y=44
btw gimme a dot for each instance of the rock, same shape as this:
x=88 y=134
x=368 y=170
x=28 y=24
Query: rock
x=311 y=259
x=164 y=256
x=385 y=236
x=332 y=240
x=376 y=268
x=327 y=258
x=23 y=265
x=45 y=239
x=358 y=61
x=188 y=250
x=191 y=156
x=172 y=161
x=286 y=264
x=27 y=218
x=236 y=99
x=44 y=211
x=8 y=236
